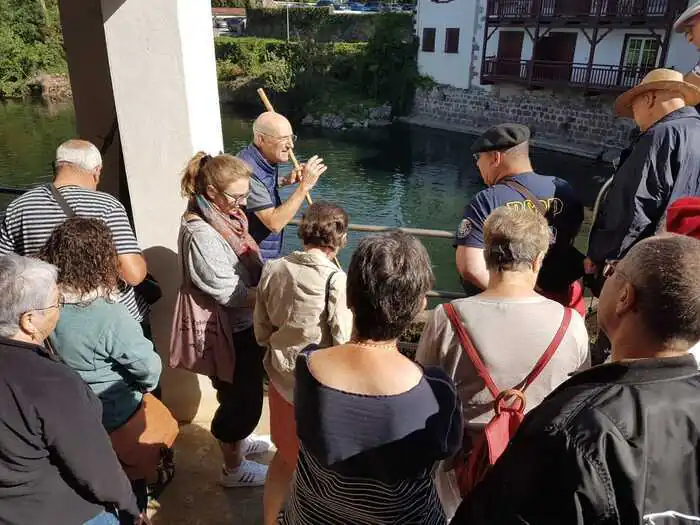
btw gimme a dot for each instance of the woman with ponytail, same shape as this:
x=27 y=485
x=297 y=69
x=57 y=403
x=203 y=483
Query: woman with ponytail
x=223 y=261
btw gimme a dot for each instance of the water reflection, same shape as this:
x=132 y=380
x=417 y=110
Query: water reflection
x=397 y=176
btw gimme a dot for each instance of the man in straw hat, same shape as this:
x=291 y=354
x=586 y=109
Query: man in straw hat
x=689 y=24
x=661 y=165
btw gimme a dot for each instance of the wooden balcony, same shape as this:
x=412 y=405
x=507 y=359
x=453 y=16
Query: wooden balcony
x=583 y=12
x=540 y=73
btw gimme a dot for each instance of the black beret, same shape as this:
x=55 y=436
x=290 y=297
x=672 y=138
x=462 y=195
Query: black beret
x=501 y=137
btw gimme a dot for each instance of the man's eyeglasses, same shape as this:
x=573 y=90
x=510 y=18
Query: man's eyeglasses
x=609 y=269
x=290 y=138
x=236 y=198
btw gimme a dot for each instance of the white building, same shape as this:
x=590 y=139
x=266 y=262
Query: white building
x=595 y=45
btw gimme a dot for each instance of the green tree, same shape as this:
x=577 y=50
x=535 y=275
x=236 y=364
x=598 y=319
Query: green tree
x=31 y=42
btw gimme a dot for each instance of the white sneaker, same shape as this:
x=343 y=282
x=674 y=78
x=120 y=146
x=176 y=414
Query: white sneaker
x=248 y=474
x=256 y=445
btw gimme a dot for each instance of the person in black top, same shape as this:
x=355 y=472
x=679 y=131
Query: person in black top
x=619 y=443
x=502 y=156
x=372 y=423
x=57 y=465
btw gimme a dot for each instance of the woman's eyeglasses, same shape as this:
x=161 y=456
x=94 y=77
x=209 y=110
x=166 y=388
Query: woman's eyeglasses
x=60 y=303
x=236 y=198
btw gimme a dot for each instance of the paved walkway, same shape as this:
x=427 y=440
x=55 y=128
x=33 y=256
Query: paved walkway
x=194 y=497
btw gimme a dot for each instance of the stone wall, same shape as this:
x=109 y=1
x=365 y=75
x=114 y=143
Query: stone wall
x=565 y=116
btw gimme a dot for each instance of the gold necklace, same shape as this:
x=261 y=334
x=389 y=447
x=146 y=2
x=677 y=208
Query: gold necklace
x=373 y=344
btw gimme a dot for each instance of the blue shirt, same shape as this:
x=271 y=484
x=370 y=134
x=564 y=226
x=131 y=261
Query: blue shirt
x=564 y=214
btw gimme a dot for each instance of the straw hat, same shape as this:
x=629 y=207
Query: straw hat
x=692 y=11
x=658 y=80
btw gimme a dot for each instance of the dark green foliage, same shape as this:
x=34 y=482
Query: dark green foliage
x=321 y=25
x=30 y=43
x=327 y=77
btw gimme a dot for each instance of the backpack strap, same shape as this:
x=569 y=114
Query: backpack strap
x=551 y=349
x=469 y=348
x=524 y=192
x=61 y=201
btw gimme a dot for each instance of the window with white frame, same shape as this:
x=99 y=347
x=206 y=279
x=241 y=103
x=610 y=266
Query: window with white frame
x=640 y=56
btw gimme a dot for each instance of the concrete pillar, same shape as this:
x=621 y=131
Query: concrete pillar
x=91 y=83
x=163 y=71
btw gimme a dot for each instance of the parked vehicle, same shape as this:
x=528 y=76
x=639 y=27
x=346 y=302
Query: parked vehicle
x=325 y=3
x=356 y=6
x=373 y=7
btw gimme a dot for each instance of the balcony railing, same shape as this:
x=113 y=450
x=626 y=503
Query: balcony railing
x=606 y=10
x=543 y=73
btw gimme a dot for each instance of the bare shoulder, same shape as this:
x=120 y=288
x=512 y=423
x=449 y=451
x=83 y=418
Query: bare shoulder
x=361 y=372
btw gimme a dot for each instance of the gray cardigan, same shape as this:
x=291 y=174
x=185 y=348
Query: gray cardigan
x=215 y=269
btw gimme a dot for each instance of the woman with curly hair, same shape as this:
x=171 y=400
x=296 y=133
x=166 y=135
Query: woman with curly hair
x=96 y=336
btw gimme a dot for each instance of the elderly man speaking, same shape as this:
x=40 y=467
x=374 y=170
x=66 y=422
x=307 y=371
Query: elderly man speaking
x=660 y=166
x=273 y=141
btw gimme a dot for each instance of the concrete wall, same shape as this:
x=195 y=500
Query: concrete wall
x=454 y=69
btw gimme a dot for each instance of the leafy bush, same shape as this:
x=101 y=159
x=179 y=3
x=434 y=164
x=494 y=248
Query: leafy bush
x=30 y=43
x=321 y=76
x=321 y=25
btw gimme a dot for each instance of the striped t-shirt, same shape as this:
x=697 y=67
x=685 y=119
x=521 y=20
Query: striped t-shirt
x=31 y=218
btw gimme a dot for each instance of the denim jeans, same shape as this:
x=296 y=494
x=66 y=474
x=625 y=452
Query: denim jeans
x=106 y=518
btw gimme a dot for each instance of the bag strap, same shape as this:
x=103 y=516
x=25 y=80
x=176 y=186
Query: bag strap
x=526 y=193
x=61 y=201
x=469 y=348
x=551 y=349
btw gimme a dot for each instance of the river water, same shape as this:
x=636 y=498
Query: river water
x=394 y=176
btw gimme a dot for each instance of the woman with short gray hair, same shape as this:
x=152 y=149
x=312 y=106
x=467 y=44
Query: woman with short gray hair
x=52 y=437
x=510 y=325
x=371 y=423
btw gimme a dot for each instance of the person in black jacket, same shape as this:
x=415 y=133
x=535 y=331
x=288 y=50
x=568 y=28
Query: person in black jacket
x=57 y=466
x=618 y=443
x=661 y=165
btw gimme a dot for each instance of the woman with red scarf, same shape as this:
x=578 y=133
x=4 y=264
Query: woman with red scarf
x=223 y=261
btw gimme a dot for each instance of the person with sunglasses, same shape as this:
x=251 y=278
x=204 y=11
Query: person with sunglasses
x=273 y=142
x=222 y=260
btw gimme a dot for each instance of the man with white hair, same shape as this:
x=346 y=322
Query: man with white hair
x=273 y=142
x=30 y=218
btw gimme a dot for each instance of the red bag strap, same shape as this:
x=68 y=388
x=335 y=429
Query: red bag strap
x=469 y=348
x=551 y=349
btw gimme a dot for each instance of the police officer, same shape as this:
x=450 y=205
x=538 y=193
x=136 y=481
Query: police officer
x=273 y=140
x=502 y=156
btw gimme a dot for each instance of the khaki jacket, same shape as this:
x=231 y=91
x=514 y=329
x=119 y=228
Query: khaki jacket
x=301 y=301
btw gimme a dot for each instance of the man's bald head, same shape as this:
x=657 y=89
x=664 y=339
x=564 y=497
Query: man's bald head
x=660 y=278
x=274 y=137
x=272 y=124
